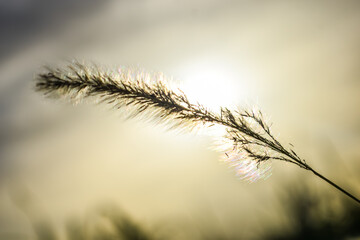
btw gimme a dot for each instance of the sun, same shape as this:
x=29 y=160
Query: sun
x=212 y=84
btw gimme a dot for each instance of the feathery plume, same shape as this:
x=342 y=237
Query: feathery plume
x=252 y=143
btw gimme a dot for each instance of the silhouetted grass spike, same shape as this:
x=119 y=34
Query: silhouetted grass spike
x=253 y=144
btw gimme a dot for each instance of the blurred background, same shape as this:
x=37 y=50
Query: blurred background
x=82 y=172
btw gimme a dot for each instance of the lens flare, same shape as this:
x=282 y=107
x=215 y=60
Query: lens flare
x=246 y=168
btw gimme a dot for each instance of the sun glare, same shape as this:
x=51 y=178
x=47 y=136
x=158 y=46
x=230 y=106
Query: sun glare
x=212 y=84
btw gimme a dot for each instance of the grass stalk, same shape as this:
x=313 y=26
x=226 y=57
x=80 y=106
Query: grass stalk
x=248 y=132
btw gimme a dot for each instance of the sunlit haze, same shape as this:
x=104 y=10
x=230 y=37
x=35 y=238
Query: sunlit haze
x=60 y=163
x=214 y=83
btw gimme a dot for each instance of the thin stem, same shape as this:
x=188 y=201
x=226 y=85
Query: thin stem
x=335 y=185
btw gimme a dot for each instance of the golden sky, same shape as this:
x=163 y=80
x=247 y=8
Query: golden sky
x=297 y=61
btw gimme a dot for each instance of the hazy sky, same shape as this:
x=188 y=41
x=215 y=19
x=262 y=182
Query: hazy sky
x=298 y=61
